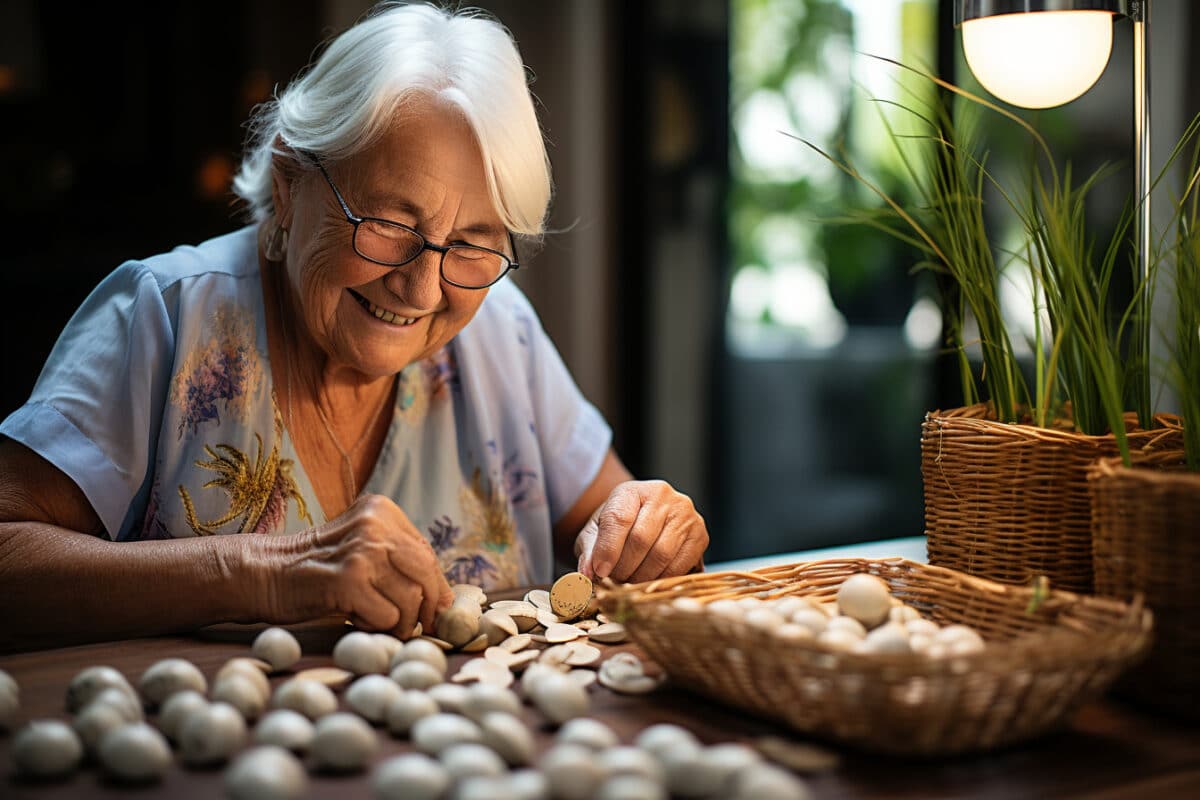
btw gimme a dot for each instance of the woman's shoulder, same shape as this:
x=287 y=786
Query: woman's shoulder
x=230 y=256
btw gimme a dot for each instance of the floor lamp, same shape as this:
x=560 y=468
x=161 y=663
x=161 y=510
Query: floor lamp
x=1043 y=53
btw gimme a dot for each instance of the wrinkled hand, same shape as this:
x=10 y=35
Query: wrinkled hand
x=644 y=530
x=371 y=564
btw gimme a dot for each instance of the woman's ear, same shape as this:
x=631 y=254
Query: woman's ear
x=283 y=176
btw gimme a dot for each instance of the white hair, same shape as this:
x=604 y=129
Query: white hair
x=394 y=55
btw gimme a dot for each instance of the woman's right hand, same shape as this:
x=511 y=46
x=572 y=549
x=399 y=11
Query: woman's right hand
x=370 y=564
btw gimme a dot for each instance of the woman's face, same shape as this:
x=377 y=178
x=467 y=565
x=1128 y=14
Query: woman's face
x=426 y=173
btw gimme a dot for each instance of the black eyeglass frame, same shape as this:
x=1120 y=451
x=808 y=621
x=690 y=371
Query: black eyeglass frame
x=441 y=250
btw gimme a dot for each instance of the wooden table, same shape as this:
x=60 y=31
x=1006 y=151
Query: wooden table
x=1108 y=751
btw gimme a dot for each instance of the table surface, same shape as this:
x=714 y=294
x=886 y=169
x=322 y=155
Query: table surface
x=1106 y=751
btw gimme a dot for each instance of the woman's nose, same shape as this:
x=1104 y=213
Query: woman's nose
x=418 y=284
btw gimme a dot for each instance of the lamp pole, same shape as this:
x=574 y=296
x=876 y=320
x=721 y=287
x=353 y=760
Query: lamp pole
x=1139 y=13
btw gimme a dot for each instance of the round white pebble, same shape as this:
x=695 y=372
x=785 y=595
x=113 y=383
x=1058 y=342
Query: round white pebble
x=136 y=753
x=46 y=748
x=343 y=742
x=277 y=647
x=266 y=773
x=285 y=728
x=358 y=652
x=412 y=776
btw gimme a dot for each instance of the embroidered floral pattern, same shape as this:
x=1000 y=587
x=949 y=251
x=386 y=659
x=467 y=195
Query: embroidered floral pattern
x=258 y=490
x=412 y=395
x=225 y=371
x=441 y=374
x=486 y=551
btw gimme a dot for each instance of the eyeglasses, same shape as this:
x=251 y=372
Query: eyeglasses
x=393 y=244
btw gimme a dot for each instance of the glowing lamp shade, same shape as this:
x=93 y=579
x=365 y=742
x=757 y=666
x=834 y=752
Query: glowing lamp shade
x=1041 y=59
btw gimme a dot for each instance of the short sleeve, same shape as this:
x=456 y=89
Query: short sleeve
x=573 y=435
x=97 y=407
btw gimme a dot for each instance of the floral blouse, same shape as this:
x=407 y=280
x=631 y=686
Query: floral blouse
x=158 y=402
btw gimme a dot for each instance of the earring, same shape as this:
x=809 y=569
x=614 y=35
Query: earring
x=275 y=247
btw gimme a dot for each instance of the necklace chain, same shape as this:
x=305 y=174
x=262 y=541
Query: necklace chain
x=348 y=480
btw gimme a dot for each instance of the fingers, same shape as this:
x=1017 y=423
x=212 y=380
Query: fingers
x=614 y=521
x=372 y=611
x=645 y=530
x=675 y=552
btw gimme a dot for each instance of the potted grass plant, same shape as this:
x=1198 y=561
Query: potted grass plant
x=1006 y=493
x=1146 y=513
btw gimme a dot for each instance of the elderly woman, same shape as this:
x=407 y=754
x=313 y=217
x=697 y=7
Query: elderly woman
x=353 y=375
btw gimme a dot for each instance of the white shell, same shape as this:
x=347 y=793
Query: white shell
x=285 y=728
x=725 y=761
x=406 y=709
x=136 y=753
x=370 y=696
x=412 y=776
x=811 y=618
x=343 y=742
x=164 y=678
x=766 y=619
x=903 y=614
x=624 y=760
x=46 y=748
x=90 y=682
x=450 y=697
x=483 y=698
x=689 y=773
x=840 y=640
x=278 y=647
x=571 y=771
x=417 y=674
x=768 y=782
x=177 y=708
x=10 y=707
x=241 y=693
x=8 y=683
x=211 y=735
x=559 y=698
x=662 y=736
x=630 y=787
x=849 y=625
x=358 y=652
x=390 y=644
x=888 y=638
x=249 y=669
x=433 y=734
x=421 y=650
x=94 y=722
x=121 y=701
x=528 y=784
x=508 y=736
x=609 y=633
x=266 y=773
x=312 y=699
x=470 y=759
x=587 y=732
x=866 y=598
x=924 y=627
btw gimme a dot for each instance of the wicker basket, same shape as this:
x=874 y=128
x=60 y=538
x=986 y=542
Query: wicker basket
x=1147 y=541
x=1035 y=670
x=1008 y=502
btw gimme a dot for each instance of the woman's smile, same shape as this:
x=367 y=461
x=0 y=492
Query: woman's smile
x=382 y=314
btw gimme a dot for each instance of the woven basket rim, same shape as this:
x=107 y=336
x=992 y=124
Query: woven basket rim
x=980 y=417
x=1057 y=645
x=1160 y=467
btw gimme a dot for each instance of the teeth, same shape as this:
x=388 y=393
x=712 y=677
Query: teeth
x=383 y=313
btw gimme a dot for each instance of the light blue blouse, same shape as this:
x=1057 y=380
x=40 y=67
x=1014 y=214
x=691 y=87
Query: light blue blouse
x=158 y=402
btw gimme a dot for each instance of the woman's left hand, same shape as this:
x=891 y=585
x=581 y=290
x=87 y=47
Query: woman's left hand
x=644 y=530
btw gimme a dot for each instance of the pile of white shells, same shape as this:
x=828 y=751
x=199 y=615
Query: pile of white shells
x=471 y=730
x=864 y=618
